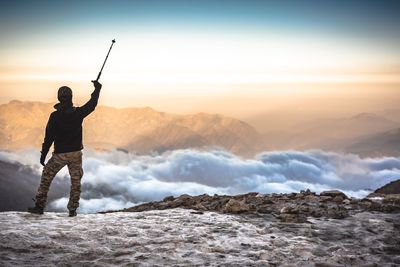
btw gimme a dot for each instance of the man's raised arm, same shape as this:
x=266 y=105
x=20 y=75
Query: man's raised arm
x=92 y=103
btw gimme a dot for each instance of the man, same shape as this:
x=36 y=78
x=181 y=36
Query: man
x=64 y=128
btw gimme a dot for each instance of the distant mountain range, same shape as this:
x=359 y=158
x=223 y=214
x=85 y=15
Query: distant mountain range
x=143 y=130
x=338 y=134
x=382 y=144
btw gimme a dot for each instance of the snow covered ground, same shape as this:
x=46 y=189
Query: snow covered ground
x=182 y=237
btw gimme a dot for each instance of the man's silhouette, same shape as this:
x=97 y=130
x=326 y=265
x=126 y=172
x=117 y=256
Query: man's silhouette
x=64 y=128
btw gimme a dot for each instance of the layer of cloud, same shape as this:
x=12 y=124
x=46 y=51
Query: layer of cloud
x=115 y=179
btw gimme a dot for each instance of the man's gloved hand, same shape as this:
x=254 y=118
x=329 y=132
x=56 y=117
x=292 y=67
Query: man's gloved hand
x=96 y=84
x=42 y=159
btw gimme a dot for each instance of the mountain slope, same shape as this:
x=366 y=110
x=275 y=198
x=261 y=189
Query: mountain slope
x=18 y=184
x=382 y=144
x=332 y=134
x=390 y=188
x=135 y=129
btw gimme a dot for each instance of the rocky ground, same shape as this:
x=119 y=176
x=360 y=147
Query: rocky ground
x=291 y=208
x=184 y=237
x=299 y=229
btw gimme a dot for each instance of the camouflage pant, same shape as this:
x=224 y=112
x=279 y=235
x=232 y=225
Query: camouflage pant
x=74 y=162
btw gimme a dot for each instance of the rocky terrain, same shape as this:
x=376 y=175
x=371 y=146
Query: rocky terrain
x=183 y=237
x=298 y=229
x=291 y=208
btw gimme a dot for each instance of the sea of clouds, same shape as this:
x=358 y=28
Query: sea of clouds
x=115 y=179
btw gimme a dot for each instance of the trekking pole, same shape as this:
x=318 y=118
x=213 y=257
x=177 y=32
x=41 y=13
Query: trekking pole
x=98 y=76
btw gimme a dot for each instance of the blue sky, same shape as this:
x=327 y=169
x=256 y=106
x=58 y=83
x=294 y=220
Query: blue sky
x=376 y=21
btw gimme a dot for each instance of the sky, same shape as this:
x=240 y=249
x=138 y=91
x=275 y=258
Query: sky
x=238 y=58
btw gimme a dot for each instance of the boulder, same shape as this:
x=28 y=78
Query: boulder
x=200 y=206
x=168 y=198
x=392 y=199
x=338 y=199
x=184 y=196
x=265 y=209
x=235 y=206
x=333 y=194
x=325 y=198
x=307 y=192
x=311 y=198
x=291 y=209
x=354 y=201
x=183 y=200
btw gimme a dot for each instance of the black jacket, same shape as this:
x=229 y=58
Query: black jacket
x=64 y=127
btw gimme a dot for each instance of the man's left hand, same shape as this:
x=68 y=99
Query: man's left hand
x=42 y=159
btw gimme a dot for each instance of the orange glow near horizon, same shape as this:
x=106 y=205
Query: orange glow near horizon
x=182 y=72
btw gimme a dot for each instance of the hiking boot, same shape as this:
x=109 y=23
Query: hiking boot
x=36 y=210
x=72 y=213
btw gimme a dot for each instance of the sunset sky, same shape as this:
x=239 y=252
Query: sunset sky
x=238 y=58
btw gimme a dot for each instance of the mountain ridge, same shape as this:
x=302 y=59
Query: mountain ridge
x=141 y=130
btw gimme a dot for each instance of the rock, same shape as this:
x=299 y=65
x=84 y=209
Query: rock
x=392 y=199
x=346 y=201
x=375 y=206
x=216 y=205
x=338 y=199
x=329 y=204
x=337 y=213
x=183 y=200
x=354 y=201
x=307 y=192
x=311 y=198
x=396 y=259
x=168 y=198
x=326 y=198
x=197 y=212
x=289 y=210
x=184 y=196
x=265 y=209
x=200 y=206
x=268 y=201
x=316 y=213
x=333 y=194
x=235 y=206
x=292 y=218
x=304 y=209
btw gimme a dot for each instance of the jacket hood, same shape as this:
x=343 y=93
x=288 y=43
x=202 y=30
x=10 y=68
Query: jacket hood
x=64 y=106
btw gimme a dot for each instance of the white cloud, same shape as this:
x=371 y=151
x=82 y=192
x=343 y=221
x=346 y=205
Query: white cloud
x=115 y=180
